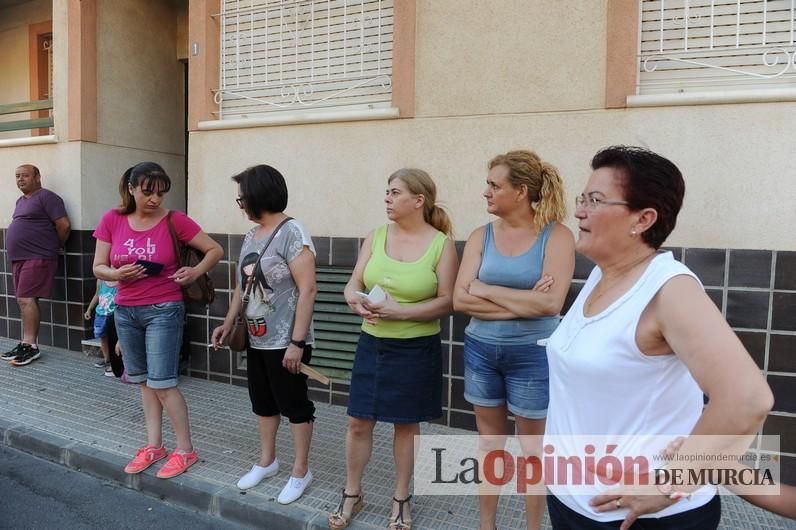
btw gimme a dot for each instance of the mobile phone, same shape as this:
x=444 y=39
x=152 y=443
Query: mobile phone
x=151 y=268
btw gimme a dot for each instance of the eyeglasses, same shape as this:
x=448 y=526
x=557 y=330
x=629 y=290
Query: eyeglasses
x=592 y=201
x=240 y=201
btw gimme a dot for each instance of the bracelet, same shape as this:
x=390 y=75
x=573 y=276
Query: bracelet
x=299 y=343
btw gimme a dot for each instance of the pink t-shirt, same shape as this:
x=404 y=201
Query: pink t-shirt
x=155 y=244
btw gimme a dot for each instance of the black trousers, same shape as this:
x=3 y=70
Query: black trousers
x=706 y=517
x=273 y=390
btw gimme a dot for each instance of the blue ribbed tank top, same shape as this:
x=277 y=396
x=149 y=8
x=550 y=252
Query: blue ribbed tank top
x=517 y=272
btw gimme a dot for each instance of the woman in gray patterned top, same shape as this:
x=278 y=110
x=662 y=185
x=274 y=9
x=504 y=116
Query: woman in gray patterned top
x=279 y=320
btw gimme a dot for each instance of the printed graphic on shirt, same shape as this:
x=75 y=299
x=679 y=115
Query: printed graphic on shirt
x=106 y=298
x=144 y=249
x=260 y=304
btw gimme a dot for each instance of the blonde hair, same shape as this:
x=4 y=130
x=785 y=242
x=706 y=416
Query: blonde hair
x=544 y=184
x=420 y=183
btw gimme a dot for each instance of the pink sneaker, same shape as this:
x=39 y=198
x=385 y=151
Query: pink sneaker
x=179 y=461
x=145 y=457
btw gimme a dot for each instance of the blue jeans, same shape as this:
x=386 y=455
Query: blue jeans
x=151 y=338
x=516 y=375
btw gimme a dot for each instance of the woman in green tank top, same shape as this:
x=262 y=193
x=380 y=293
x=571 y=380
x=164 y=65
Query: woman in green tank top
x=397 y=374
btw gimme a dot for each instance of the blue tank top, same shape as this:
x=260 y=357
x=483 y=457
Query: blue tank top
x=517 y=272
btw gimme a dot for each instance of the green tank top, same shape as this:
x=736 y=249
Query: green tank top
x=407 y=282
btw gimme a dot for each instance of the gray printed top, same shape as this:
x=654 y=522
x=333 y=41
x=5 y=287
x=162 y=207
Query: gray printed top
x=272 y=306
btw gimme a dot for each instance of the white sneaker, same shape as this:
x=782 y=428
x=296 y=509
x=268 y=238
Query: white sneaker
x=294 y=488
x=257 y=474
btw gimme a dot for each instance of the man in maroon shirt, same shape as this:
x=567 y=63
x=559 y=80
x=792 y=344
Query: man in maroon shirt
x=37 y=231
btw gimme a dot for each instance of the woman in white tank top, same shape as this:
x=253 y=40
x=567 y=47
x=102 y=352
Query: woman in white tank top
x=636 y=351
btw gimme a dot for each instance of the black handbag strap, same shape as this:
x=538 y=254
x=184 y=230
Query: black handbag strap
x=251 y=280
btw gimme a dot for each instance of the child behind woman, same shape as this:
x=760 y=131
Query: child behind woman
x=104 y=326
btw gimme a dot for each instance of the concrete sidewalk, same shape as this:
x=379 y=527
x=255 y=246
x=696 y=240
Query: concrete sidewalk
x=63 y=409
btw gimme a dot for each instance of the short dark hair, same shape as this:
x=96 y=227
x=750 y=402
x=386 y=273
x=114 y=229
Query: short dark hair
x=648 y=181
x=263 y=189
x=149 y=175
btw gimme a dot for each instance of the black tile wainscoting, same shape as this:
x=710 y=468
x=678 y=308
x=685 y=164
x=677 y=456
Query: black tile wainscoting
x=62 y=323
x=754 y=289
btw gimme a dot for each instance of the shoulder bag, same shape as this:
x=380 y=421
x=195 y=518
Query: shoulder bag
x=202 y=290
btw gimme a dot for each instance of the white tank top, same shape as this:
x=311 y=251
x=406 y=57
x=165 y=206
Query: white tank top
x=602 y=384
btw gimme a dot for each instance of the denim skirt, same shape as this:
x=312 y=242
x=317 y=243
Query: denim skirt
x=397 y=380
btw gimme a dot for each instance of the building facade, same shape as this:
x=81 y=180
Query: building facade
x=337 y=94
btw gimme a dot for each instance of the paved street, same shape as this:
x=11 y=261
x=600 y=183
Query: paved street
x=38 y=494
x=62 y=409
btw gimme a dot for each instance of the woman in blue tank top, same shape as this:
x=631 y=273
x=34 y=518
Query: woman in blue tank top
x=513 y=280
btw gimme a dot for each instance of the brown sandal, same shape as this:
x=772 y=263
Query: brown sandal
x=338 y=518
x=398 y=522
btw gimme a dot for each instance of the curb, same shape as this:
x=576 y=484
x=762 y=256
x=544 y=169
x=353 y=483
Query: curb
x=224 y=502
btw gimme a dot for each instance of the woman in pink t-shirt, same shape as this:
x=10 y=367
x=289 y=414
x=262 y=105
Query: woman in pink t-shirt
x=135 y=248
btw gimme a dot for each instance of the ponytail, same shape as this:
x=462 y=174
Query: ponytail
x=541 y=179
x=437 y=217
x=127 y=205
x=420 y=183
x=550 y=206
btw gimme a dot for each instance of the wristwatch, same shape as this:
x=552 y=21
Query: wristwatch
x=299 y=343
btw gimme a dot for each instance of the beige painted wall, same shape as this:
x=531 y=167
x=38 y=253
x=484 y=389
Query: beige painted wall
x=60 y=169
x=181 y=12
x=337 y=172
x=134 y=125
x=60 y=68
x=85 y=175
x=507 y=56
x=103 y=166
x=14 y=56
x=140 y=81
x=14 y=76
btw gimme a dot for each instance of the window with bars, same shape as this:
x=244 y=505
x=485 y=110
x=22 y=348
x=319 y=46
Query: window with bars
x=280 y=55
x=716 y=45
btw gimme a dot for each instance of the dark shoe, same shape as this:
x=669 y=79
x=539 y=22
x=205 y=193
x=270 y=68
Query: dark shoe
x=27 y=354
x=398 y=522
x=339 y=518
x=11 y=355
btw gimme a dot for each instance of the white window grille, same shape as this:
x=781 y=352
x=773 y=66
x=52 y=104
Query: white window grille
x=279 y=55
x=716 y=45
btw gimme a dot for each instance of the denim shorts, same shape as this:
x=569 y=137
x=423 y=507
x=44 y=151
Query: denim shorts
x=516 y=375
x=151 y=338
x=100 y=325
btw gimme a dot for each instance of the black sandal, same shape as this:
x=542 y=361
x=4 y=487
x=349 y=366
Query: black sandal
x=398 y=522
x=339 y=515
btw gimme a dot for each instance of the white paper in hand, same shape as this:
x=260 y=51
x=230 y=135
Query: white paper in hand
x=375 y=296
